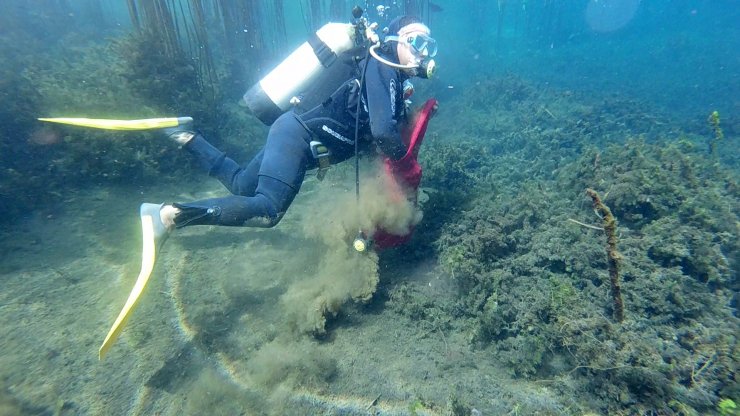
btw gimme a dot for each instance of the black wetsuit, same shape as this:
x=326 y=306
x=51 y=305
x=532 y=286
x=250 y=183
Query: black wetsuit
x=264 y=188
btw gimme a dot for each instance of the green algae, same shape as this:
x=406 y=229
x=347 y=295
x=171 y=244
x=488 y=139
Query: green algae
x=535 y=282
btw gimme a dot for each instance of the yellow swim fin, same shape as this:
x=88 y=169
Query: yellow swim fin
x=148 y=258
x=142 y=124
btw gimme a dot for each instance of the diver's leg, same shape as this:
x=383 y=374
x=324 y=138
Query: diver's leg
x=283 y=166
x=265 y=209
x=238 y=180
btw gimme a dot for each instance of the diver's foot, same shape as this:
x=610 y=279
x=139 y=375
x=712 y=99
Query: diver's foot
x=160 y=230
x=183 y=133
x=182 y=137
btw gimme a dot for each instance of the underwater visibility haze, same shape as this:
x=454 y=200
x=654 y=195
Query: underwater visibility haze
x=572 y=247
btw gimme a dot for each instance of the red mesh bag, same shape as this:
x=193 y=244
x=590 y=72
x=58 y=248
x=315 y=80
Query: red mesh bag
x=405 y=173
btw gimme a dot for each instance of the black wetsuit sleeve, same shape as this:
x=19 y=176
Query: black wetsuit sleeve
x=383 y=92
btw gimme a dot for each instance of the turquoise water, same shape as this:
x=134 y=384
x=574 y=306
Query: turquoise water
x=503 y=302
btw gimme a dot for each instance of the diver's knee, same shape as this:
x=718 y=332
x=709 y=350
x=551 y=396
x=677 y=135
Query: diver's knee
x=275 y=219
x=270 y=215
x=268 y=220
x=275 y=211
x=275 y=197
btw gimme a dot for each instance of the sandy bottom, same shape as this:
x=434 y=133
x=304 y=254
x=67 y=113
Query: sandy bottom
x=228 y=323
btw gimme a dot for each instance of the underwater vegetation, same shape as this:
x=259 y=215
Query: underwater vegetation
x=535 y=268
x=714 y=121
x=128 y=77
x=610 y=228
x=51 y=161
x=534 y=284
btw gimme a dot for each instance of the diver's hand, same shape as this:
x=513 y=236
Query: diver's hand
x=182 y=133
x=406 y=171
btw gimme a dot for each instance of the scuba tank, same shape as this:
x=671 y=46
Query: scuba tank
x=311 y=73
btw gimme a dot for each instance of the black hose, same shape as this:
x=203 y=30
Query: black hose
x=357 y=128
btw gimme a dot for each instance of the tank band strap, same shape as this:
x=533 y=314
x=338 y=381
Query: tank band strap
x=322 y=50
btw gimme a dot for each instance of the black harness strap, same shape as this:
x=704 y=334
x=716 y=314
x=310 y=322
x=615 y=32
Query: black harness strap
x=323 y=52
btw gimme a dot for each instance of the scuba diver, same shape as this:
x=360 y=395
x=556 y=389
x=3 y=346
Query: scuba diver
x=263 y=189
x=340 y=92
x=368 y=107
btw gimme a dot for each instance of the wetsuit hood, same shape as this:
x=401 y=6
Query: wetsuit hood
x=389 y=49
x=399 y=22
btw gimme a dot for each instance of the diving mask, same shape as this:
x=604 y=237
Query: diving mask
x=422 y=44
x=423 y=47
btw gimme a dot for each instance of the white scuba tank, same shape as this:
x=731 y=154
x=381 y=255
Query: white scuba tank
x=303 y=78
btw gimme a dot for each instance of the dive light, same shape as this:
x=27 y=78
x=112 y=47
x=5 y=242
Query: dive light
x=361 y=242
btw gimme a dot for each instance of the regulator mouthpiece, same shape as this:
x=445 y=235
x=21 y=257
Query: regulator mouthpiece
x=426 y=69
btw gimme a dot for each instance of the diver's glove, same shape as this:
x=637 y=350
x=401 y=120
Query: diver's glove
x=182 y=133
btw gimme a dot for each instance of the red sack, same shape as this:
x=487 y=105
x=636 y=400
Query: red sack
x=405 y=174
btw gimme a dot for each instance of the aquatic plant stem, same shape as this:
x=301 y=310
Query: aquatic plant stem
x=593 y=227
x=134 y=14
x=714 y=121
x=610 y=227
